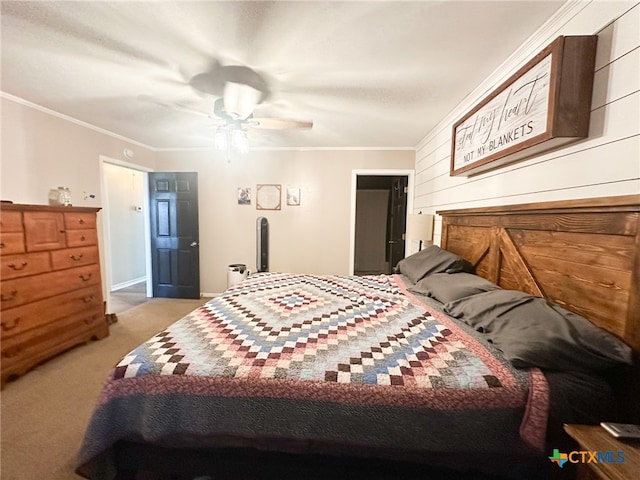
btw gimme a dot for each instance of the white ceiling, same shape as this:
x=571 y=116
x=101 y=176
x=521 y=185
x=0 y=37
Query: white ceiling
x=368 y=74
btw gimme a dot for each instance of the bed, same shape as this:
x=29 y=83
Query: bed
x=370 y=377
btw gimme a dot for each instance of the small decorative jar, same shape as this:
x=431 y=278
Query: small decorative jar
x=54 y=197
x=60 y=196
x=65 y=196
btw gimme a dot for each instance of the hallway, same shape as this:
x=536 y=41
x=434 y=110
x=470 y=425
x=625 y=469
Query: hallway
x=125 y=298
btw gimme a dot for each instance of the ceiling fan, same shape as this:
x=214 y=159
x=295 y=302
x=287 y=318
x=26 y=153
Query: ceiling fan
x=240 y=89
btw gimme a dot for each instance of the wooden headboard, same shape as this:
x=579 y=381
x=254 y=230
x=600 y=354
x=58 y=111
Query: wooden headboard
x=583 y=255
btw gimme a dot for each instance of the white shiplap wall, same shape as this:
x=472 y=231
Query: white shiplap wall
x=604 y=164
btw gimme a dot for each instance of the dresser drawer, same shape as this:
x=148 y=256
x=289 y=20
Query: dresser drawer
x=43 y=231
x=14 y=266
x=10 y=221
x=79 y=221
x=43 y=342
x=81 y=238
x=29 y=289
x=18 y=320
x=74 y=257
x=12 y=242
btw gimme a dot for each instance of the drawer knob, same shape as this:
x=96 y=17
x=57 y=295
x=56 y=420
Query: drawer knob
x=75 y=258
x=17 y=267
x=88 y=299
x=90 y=320
x=85 y=277
x=11 y=296
x=82 y=238
x=81 y=221
x=2 y=245
x=11 y=324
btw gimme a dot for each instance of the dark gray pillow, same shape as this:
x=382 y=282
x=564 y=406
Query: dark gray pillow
x=532 y=333
x=432 y=259
x=446 y=287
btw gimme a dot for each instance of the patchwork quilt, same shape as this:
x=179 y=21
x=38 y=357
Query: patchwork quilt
x=317 y=363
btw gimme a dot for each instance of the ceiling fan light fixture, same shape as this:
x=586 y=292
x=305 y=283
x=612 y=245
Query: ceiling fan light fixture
x=229 y=138
x=220 y=140
x=239 y=141
x=240 y=99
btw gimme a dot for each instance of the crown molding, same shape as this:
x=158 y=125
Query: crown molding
x=296 y=149
x=67 y=118
x=528 y=49
x=84 y=124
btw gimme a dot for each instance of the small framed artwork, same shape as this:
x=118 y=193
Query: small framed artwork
x=293 y=196
x=244 y=195
x=268 y=197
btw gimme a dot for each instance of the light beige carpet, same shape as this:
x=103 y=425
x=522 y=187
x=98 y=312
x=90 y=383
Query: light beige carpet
x=45 y=412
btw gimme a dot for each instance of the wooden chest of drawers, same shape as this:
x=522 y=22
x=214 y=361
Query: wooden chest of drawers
x=50 y=283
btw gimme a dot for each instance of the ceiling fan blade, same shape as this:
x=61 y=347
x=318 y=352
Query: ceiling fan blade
x=207 y=82
x=178 y=106
x=213 y=81
x=279 y=123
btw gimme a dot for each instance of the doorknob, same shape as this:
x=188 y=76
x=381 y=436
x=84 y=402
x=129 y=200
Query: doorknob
x=194 y=244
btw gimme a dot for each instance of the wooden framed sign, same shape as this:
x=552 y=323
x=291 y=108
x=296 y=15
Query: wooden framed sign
x=542 y=106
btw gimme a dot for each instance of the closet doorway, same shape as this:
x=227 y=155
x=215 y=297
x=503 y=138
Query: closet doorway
x=379 y=221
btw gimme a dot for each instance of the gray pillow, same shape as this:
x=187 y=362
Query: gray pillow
x=446 y=287
x=432 y=259
x=532 y=333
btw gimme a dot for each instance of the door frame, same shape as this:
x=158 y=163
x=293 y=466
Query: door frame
x=106 y=227
x=409 y=173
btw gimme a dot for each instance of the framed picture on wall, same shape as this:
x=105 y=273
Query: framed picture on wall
x=543 y=106
x=244 y=195
x=293 y=196
x=268 y=197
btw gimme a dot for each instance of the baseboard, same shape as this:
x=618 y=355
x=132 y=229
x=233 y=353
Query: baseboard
x=209 y=295
x=128 y=283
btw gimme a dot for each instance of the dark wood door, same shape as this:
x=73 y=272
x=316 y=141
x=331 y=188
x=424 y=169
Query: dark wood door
x=175 y=251
x=397 y=220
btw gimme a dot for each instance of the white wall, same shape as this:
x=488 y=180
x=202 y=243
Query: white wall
x=124 y=191
x=607 y=163
x=311 y=238
x=41 y=150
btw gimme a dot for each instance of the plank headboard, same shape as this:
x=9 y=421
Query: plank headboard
x=583 y=255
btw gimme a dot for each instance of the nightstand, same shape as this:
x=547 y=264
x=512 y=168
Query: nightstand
x=594 y=438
